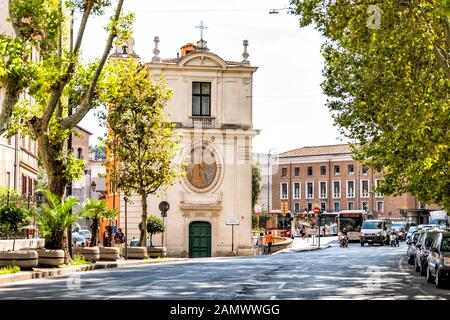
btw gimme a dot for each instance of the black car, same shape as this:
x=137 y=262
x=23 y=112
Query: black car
x=424 y=250
x=439 y=260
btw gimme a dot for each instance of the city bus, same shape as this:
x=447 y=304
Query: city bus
x=279 y=223
x=352 y=220
x=329 y=223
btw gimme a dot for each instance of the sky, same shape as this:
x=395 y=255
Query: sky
x=288 y=104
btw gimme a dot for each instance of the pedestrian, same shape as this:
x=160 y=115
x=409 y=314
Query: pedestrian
x=75 y=243
x=269 y=242
x=119 y=239
x=302 y=232
x=260 y=243
x=106 y=238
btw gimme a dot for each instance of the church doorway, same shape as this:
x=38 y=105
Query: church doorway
x=199 y=239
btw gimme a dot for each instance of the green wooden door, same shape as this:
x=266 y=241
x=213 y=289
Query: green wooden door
x=199 y=239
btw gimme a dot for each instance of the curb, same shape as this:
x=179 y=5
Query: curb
x=39 y=273
x=303 y=249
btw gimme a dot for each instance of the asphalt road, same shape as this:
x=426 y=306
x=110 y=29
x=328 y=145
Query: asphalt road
x=336 y=273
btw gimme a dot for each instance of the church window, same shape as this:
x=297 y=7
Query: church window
x=201 y=99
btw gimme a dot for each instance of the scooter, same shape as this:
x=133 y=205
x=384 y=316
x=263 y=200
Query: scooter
x=394 y=240
x=344 y=241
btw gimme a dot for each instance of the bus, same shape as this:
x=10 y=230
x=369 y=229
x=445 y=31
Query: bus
x=352 y=220
x=279 y=223
x=329 y=223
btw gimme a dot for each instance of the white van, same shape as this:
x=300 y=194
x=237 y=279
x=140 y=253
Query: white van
x=375 y=231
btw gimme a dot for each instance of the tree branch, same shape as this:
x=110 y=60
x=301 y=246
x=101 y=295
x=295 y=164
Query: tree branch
x=70 y=121
x=442 y=60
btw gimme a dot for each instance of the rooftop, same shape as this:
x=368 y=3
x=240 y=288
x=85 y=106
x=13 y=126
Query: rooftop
x=318 y=151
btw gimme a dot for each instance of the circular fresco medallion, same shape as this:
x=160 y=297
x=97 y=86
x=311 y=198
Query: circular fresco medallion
x=202 y=169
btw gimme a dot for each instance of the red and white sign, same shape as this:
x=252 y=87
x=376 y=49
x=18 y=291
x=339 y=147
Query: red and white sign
x=316 y=210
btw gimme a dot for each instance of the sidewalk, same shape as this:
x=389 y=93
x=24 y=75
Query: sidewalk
x=38 y=272
x=306 y=244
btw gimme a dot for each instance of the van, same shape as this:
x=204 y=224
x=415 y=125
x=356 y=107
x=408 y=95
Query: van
x=375 y=231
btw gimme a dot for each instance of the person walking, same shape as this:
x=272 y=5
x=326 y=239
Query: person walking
x=269 y=242
x=260 y=243
x=119 y=239
x=106 y=238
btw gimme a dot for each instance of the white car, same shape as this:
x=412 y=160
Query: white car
x=85 y=233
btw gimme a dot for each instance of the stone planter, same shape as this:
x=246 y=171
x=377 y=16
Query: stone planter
x=89 y=253
x=155 y=252
x=137 y=252
x=50 y=258
x=109 y=253
x=25 y=259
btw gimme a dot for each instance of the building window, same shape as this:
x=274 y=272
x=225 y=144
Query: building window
x=24 y=185
x=323 y=189
x=284 y=172
x=309 y=206
x=337 y=207
x=336 y=189
x=296 y=190
x=296 y=206
x=310 y=171
x=337 y=170
x=350 y=189
x=322 y=206
x=201 y=99
x=377 y=184
x=351 y=169
x=365 y=169
x=323 y=170
x=80 y=153
x=284 y=190
x=309 y=190
x=350 y=205
x=365 y=206
x=380 y=206
x=365 y=188
x=297 y=171
x=9 y=141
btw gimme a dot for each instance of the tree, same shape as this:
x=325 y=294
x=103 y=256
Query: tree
x=12 y=217
x=387 y=77
x=55 y=217
x=139 y=135
x=155 y=225
x=64 y=88
x=95 y=210
x=256 y=184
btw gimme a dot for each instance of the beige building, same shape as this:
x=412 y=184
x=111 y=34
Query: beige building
x=328 y=176
x=18 y=155
x=212 y=108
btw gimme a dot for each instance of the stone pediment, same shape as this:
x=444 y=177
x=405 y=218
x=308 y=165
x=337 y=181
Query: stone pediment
x=204 y=59
x=205 y=201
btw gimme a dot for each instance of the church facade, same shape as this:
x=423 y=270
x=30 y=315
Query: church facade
x=210 y=206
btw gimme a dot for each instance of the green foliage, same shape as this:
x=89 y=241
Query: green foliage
x=99 y=152
x=9 y=270
x=13 y=217
x=55 y=217
x=155 y=225
x=256 y=184
x=79 y=260
x=388 y=87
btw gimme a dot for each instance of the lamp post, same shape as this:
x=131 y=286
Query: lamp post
x=269 y=157
x=126 y=228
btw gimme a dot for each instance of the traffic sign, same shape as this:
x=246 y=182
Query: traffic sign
x=316 y=210
x=232 y=221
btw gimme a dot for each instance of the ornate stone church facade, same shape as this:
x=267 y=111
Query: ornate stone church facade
x=210 y=207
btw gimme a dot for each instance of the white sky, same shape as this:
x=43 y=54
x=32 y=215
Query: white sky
x=288 y=104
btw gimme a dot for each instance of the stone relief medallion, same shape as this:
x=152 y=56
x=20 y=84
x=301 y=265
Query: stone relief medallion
x=203 y=170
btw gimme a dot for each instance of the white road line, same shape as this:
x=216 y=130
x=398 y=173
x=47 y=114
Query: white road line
x=282 y=285
x=272 y=298
x=414 y=285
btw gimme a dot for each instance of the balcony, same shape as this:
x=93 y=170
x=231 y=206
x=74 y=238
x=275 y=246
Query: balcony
x=203 y=122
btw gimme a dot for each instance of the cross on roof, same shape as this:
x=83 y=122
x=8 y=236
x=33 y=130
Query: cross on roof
x=201 y=27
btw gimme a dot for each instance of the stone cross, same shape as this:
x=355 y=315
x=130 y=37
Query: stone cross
x=201 y=27
x=156 y=51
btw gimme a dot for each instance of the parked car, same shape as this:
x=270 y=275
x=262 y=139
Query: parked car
x=439 y=260
x=424 y=250
x=135 y=243
x=411 y=251
x=409 y=224
x=400 y=230
x=79 y=238
x=85 y=233
x=411 y=231
x=375 y=231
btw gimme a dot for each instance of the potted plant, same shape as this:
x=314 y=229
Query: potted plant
x=155 y=225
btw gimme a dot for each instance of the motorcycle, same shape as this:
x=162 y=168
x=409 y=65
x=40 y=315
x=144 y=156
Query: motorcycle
x=394 y=240
x=344 y=241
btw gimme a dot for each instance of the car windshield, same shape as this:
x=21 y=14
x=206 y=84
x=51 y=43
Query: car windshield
x=412 y=229
x=372 y=225
x=398 y=227
x=430 y=238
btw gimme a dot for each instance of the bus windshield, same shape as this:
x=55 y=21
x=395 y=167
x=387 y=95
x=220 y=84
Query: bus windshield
x=372 y=225
x=352 y=222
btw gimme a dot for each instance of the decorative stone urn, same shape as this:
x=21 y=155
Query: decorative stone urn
x=89 y=253
x=109 y=253
x=50 y=257
x=25 y=259
x=137 y=252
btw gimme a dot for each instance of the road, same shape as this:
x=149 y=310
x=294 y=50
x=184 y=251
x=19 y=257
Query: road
x=336 y=273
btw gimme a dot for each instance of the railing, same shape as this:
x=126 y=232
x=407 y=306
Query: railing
x=203 y=122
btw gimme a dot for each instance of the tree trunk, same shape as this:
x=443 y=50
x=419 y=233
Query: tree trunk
x=65 y=246
x=143 y=237
x=10 y=98
x=94 y=229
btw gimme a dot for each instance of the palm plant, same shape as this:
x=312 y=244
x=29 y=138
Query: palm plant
x=55 y=218
x=95 y=210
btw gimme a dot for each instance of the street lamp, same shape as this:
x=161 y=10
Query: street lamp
x=126 y=228
x=269 y=157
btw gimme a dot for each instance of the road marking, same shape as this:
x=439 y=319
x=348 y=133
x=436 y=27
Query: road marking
x=272 y=298
x=282 y=285
x=414 y=285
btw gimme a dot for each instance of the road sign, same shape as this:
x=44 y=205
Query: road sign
x=316 y=210
x=232 y=221
x=164 y=206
